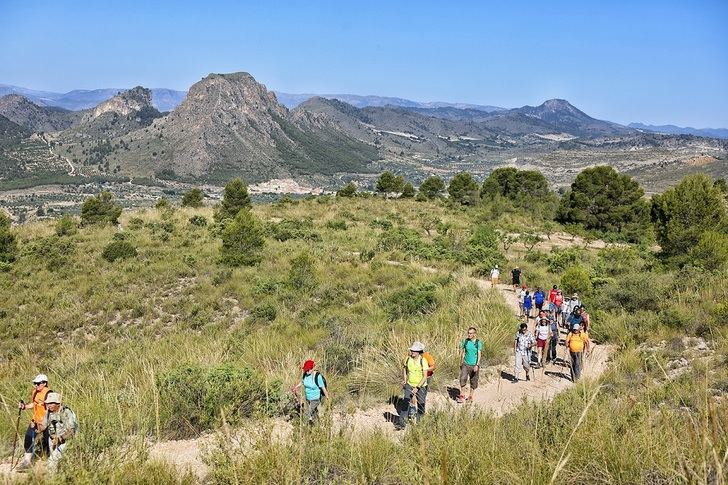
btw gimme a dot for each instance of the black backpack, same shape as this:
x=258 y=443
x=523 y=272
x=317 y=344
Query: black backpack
x=315 y=381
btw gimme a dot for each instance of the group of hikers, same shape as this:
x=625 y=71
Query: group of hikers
x=51 y=427
x=531 y=350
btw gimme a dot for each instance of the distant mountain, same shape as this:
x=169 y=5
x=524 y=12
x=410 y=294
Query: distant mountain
x=677 y=130
x=292 y=100
x=24 y=112
x=79 y=99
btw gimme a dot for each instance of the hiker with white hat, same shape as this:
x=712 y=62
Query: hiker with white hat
x=60 y=424
x=578 y=343
x=494 y=276
x=37 y=404
x=414 y=383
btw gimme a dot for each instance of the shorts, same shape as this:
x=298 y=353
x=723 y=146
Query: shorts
x=467 y=372
x=540 y=343
x=539 y=306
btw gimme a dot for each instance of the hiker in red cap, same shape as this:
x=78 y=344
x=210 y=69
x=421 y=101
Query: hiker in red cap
x=314 y=390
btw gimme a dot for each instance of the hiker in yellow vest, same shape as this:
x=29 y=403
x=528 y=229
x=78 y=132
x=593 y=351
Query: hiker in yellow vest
x=37 y=404
x=578 y=343
x=414 y=383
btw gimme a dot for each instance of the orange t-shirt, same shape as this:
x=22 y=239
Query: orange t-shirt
x=39 y=407
x=430 y=362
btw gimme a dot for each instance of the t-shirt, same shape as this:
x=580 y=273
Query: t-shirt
x=558 y=300
x=494 y=273
x=576 y=342
x=311 y=388
x=430 y=362
x=416 y=369
x=527 y=301
x=542 y=330
x=516 y=275
x=554 y=330
x=524 y=341
x=39 y=407
x=521 y=294
x=471 y=351
x=539 y=296
x=552 y=295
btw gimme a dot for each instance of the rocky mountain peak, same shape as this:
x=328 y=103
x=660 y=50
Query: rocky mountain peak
x=32 y=116
x=125 y=103
x=235 y=92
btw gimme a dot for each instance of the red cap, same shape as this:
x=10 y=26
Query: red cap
x=308 y=365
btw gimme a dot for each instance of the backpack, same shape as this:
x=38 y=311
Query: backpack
x=430 y=362
x=527 y=301
x=316 y=375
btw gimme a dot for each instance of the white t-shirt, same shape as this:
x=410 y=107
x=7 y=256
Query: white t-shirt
x=521 y=294
x=494 y=273
x=542 y=332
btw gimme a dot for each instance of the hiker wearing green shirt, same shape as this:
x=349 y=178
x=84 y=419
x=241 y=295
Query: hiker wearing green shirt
x=470 y=351
x=414 y=383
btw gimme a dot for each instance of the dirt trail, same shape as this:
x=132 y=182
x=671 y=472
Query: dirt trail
x=497 y=395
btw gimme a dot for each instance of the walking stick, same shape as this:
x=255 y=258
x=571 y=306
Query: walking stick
x=15 y=440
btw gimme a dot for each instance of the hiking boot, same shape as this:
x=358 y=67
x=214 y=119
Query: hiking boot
x=23 y=466
x=514 y=380
x=528 y=377
x=398 y=427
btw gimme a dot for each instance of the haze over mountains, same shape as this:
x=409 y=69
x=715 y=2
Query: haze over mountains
x=231 y=125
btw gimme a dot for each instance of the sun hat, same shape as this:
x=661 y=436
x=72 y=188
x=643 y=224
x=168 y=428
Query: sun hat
x=418 y=347
x=308 y=365
x=53 y=397
x=576 y=327
x=40 y=378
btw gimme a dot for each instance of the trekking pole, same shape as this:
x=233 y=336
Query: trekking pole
x=15 y=440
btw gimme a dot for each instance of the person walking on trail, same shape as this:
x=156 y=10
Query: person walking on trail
x=539 y=297
x=520 y=294
x=554 y=340
x=542 y=334
x=522 y=345
x=38 y=405
x=414 y=383
x=314 y=390
x=516 y=278
x=552 y=293
x=578 y=344
x=585 y=319
x=527 y=305
x=471 y=350
x=494 y=276
x=574 y=318
x=557 y=304
x=61 y=425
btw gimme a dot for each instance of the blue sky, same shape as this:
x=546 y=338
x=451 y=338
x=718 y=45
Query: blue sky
x=648 y=61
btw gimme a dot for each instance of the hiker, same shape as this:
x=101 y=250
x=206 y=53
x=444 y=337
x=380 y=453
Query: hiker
x=470 y=352
x=538 y=298
x=557 y=303
x=522 y=349
x=542 y=334
x=552 y=293
x=37 y=404
x=585 y=319
x=314 y=385
x=60 y=425
x=527 y=305
x=516 y=278
x=578 y=343
x=414 y=383
x=430 y=366
x=554 y=341
x=521 y=293
x=574 y=318
x=494 y=275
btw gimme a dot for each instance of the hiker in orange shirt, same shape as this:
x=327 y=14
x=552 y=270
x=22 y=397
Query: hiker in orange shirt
x=37 y=404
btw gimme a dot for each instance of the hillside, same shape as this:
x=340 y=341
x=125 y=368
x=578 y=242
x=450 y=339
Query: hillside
x=351 y=283
x=33 y=117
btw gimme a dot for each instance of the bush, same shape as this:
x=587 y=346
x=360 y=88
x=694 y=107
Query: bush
x=385 y=224
x=8 y=243
x=408 y=191
x=193 y=198
x=432 y=187
x=66 y=225
x=348 y=190
x=635 y=292
x=337 y=225
x=100 y=210
x=293 y=229
x=302 y=274
x=54 y=252
x=242 y=240
x=199 y=221
x=235 y=198
x=562 y=258
x=711 y=252
x=464 y=189
x=265 y=312
x=197 y=398
x=412 y=301
x=136 y=223
x=401 y=238
x=577 y=279
x=118 y=250
x=163 y=203
x=388 y=183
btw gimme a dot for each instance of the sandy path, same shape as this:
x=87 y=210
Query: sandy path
x=497 y=395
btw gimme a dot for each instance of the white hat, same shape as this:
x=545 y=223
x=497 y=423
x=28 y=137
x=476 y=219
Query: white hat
x=418 y=347
x=496 y=266
x=576 y=327
x=53 y=397
x=40 y=378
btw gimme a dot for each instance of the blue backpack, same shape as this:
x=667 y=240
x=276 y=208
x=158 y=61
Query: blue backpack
x=527 y=301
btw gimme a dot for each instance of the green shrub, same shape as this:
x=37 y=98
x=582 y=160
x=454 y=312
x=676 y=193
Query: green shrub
x=198 y=220
x=136 y=223
x=242 y=241
x=197 y=398
x=711 y=252
x=464 y=189
x=401 y=238
x=293 y=229
x=66 y=225
x=193 y=198
x=235 y=198
x=414 y=300
x=432 y=187
x=100 y=210
x=265 y=312
x=118 y=250
x=408 y=191
x=163 y=204
x=634 y=292
x=54 y=251
x=562 y=258
x=302 y=274
x=577 y=279
x=348 y=190
x=8 y=243
x=337 y=225
x=381 y=224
